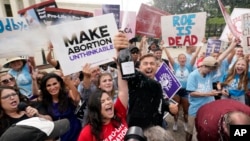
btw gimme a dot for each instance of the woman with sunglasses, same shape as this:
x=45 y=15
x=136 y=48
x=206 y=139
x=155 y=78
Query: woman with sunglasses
x=7 y=80
x=9 y=112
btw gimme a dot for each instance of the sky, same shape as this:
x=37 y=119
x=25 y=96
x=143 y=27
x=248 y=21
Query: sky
x=129 y=5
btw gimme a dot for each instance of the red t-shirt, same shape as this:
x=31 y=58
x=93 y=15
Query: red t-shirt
x=110 y=133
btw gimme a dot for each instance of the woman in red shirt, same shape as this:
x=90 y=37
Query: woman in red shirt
x=106 y=120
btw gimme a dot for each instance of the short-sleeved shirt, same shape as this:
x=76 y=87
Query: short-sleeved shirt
x=109 y=132
x=182 y=73
x=233 y=86
x=196 y=82
x=222 y=69
x=23 y=80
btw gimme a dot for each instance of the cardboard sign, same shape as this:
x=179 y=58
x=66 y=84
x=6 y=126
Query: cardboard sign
x=84 y=41
x=36 y=14
x=236 y=21
x=183 y=30
x=170 y=85
x=59 y=15
x=148 y=21
x=246 y=33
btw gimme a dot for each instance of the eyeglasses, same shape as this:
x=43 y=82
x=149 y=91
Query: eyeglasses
x=6 y=81
x=8 y=96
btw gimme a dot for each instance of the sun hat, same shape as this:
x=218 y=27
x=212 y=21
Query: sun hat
x=35 y=129
x=9 y=60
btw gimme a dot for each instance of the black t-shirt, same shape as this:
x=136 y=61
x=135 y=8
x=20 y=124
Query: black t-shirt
x=7 y=121
x=146 y=104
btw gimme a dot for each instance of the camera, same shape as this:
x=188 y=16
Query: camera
x=135 y=133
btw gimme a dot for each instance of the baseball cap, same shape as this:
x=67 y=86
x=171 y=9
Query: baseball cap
x=35 y=129
x=210 y=61
x=133 y=49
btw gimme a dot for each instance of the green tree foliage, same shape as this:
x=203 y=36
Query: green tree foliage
x=193 y=6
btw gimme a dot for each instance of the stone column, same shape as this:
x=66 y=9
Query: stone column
x=14 y=7
x=2 y=9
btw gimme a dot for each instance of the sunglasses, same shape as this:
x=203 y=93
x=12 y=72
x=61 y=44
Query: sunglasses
x=6 y=81
x=134 y=52
x=9 y=96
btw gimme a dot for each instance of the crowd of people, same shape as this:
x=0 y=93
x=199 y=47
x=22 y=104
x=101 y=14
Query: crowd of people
x=120 y=109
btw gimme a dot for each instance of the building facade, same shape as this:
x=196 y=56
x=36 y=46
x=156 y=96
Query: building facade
x=9 y=8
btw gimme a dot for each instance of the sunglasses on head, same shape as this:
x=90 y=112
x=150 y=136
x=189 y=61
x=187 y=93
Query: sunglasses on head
x=6 y=81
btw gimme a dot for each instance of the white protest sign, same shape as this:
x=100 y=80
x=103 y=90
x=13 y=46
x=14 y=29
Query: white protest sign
x=246 y=33
x=85 y=41
x=128 y=20
x=236 y=21
x=11 y=26
x=12 y=41
x=183 y=30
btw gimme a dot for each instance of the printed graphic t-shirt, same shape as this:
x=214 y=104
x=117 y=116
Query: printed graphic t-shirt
x=110 y=133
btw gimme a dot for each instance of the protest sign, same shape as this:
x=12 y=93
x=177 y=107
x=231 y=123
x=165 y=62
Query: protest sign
x=115 y=9
x=129 y=27
x=236 y=21
x=84 y=41
x=170 y=85
x=10 y=26
x=148 y=21
x=246 y=33
x=228 y=20
x=36 y=14
x=128 y=18
x=183 y=30
x=12 y=32
x=59 y=15
x=213 y=46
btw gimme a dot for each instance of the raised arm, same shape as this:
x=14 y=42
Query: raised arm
x=193 y=59
x=49 y=57
x=170 y=58
x=142 y=46
x=228 y=50
x=87 y=76
x=121 y=41
x=73 y=93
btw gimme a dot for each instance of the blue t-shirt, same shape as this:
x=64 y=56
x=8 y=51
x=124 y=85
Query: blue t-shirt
x=196 y=82
x=221 y=71
x=233 y=86
x=23 y=80
x=181 y=73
